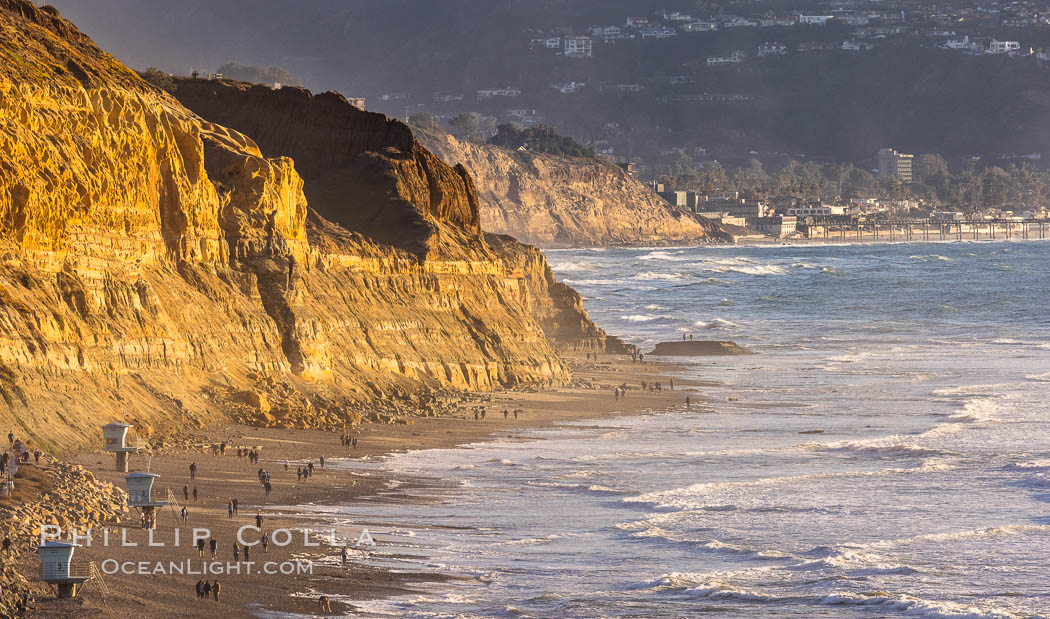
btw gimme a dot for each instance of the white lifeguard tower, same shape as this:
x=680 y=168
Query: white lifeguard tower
x=57 y=568
x=115 y=440
x=140 y=495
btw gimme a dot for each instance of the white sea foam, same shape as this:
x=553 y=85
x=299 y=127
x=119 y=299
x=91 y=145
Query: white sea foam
x=760 y=269
x=1041 y=377
x=650 y=276
x=570 y=267
x=716 y=323
x=593 y=282
x=932 y=258
x=913 y=606
x=640 y=318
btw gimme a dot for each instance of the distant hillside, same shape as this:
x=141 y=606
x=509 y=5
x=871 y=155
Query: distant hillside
x=555 y=201
x=831 y=104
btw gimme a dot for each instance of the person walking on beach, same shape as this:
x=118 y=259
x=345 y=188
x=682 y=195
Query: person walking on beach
x=213 y=546
x=343 y=555
x=216 y=589
x=200 y=547
x=229 y=508
x=286 y=465
x=237 y=552
x=267 y=487
x=688 y=402
x=310 y=467
x=325 y=604
x=207 y=590
x=234 y=506
x=672 y=384
x=193 y=470
x=322 y=462
x=266 y=543
x=505 y=414
x=515 y=415
x=299 y=473
x=185 y=492
x=195 y=494
x=258 y=521
x=185 y=514
x=246 y=549
x=475 y=415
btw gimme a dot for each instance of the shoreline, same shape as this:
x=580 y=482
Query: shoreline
x=220 y=478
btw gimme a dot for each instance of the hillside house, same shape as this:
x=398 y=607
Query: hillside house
x=772 y=49
x=551 y=43
x=814 y=20
x=699 y=26
x=734 y=58
x=1003 y=47
x=579 y=46
x=506 y=91
x=658 y=32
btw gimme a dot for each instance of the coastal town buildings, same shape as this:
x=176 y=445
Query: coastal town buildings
x=894 y=164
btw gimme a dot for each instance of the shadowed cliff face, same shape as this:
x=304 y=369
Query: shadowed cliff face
x=157 y=263
x=363 y=170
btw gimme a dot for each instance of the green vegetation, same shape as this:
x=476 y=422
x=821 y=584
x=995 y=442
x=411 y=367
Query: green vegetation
x=542 y=139
x=259 y=75
x=969 y=189
x=159 y=78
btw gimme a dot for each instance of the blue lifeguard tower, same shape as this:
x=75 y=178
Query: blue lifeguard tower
x=140 y=494
x=115 y=440
x=57 y=568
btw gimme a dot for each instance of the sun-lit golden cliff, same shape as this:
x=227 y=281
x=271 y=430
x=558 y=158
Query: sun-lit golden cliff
x=154 y=262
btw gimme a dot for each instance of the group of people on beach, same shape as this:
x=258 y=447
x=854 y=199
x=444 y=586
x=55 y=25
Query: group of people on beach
x=481 y=411
x=207 y=589
x=305 y=472
x=348 y=441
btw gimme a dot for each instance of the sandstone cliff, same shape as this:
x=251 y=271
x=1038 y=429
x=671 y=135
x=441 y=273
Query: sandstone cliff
x=158 y=263
x=554 y=201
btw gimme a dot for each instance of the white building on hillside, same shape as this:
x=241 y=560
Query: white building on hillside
x=579 y=46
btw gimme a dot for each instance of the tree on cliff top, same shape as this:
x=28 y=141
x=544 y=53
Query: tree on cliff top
x=259 y=75
x=542 y=139
x=159 y=78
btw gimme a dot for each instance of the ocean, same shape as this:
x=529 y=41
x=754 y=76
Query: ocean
x=925 y=367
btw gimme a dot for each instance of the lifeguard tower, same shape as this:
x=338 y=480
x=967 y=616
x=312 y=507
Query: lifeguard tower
x=115 y=440
x=57 y=568
x=140 y=495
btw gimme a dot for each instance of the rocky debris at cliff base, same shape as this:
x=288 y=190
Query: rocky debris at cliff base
x=701 y=348
x=70 y=497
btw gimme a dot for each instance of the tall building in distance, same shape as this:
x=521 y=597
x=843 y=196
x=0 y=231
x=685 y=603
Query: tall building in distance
x=897 y=165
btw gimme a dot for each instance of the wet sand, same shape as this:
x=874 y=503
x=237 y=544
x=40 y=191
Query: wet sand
x=220 y=478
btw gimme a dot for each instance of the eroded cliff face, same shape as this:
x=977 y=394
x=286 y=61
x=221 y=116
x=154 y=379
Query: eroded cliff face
x=160 y=264
x=553 y=201
x=363 y=171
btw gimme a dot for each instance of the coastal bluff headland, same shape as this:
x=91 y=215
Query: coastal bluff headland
x=555 y=201
x=272 y=257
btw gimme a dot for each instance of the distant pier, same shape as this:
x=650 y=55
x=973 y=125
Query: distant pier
x=892 y=230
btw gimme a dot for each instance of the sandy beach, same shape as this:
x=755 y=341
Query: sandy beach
x=221 y=478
